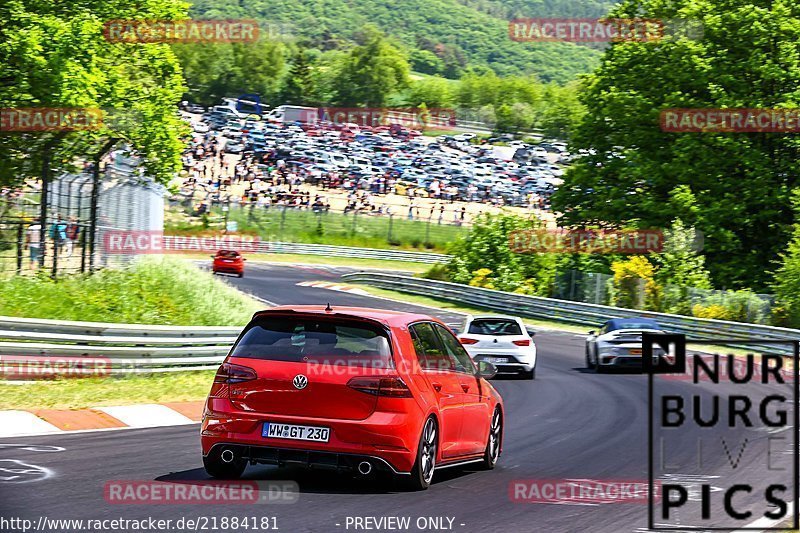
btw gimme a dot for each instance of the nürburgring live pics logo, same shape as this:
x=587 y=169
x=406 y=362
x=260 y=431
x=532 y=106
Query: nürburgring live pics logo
x=735 y=430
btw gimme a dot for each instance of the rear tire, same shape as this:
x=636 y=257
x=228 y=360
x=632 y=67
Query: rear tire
x=494 y=442
x=241 y=275
x=589 y=364
x=529 y=374
x=218 y=469
x=422 y=472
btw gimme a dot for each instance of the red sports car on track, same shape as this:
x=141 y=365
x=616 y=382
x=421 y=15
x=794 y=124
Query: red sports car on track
x=228 y=262
x=350 y=389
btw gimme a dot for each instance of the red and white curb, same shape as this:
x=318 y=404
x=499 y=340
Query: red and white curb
x=24 y=423
x=334 y=287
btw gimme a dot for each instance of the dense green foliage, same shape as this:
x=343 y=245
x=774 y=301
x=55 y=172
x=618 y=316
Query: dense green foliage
x=152 y=291
x=54 y=54
x=483 y=257
x=375 y=73
x=733 y=187
x=442 y=36
x=673 y=280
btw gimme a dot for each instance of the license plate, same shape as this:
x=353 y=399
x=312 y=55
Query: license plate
x=497 y=359
x=271 y=430
x=636 y=351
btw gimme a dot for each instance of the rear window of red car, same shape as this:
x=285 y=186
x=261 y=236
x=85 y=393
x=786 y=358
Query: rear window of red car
x=314 y=340
x=228 y=254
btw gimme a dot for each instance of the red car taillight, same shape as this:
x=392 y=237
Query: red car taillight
x=523 y=342
x=468 y=341
x=229 y=373
x=392 y=387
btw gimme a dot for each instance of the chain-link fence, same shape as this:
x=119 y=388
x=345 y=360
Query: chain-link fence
x=598 y=288
x=118 y=198
x=423 y=229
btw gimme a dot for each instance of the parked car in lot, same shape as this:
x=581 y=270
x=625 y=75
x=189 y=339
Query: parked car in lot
x=503 y=341
x=234 y=147
x=228 y=262
x=361 y=390
x=618 y=343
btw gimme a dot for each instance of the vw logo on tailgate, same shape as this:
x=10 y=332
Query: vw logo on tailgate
x=300 y=381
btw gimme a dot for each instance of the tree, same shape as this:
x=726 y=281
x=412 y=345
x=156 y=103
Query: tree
x=297 y=87
x=371 y=72
x=483 y=257
x=435 y=92
x=55 y=55
x=787 y=278
x=426 y=62
x=680 y=267
x=740 y=182
x=233 y=69
x=634 y=286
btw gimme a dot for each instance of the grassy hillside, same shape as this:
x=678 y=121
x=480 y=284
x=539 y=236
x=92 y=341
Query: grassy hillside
x=152 y=291
x=473 y=32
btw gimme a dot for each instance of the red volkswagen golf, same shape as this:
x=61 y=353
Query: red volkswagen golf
x=228 y=262
x=350 y=389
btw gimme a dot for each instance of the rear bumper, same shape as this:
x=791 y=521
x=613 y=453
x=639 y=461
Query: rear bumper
x=514 y=365
x=621 y=361
x=230 y=269
x=323 y=460
x=386 y=437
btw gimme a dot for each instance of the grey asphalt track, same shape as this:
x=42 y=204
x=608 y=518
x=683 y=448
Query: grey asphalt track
x=567 y=424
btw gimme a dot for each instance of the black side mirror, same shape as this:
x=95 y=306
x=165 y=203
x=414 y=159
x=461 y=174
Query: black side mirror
x=530 y=331
x=212 y=256
x=591 y=332
x=486 y=369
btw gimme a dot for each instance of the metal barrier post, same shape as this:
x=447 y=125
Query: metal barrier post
x=83 y=248
x=56 y=244
x=20 y=244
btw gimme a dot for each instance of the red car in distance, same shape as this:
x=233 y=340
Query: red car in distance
x=350 y=389
x=228 y=262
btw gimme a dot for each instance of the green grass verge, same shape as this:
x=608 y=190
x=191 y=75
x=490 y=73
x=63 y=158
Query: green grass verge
x=151 y=291
x=96 y=392
x=304 y=226
x=329 y=261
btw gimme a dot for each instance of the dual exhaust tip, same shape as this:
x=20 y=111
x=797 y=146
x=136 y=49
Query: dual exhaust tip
x=227 y=456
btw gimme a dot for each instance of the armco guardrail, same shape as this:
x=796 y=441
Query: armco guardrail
x=266 y=247
x=129 y=348
x=346 y=251
x=575 y=312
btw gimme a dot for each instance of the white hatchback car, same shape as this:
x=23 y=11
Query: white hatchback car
x=503 y=341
